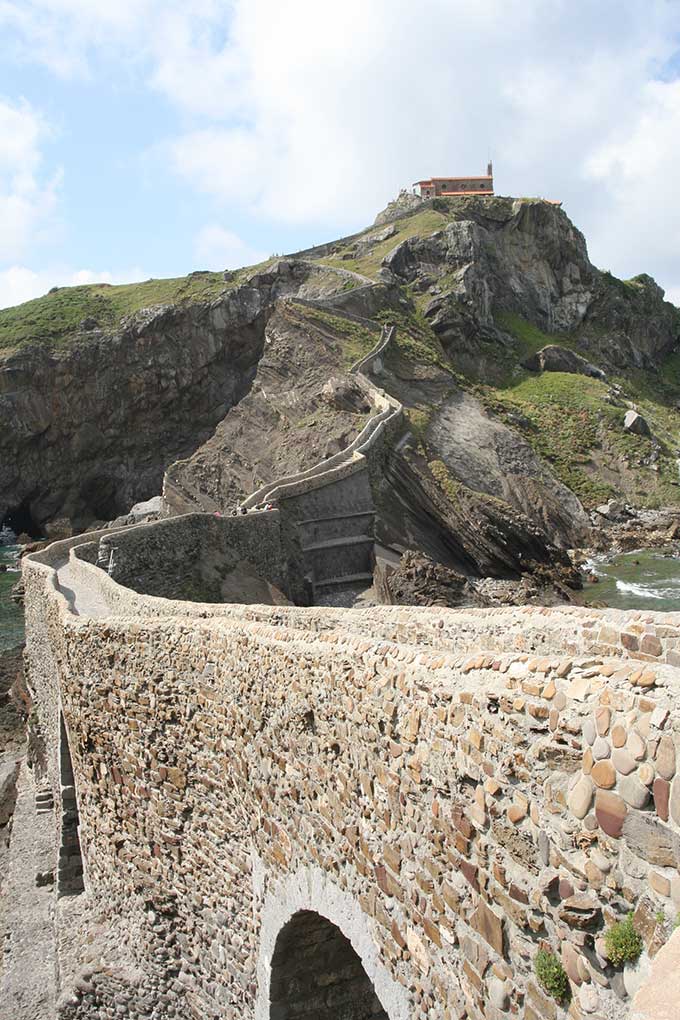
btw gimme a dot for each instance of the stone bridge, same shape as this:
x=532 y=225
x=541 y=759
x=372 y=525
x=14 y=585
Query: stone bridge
x=290 y=813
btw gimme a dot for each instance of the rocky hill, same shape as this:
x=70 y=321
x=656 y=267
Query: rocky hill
x=516 y=360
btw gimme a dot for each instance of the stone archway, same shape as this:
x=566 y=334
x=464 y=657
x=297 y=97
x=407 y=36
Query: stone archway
x=309 y=907
x=316 y=974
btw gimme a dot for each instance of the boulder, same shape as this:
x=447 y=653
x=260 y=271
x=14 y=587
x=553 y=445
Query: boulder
x=554 y=358
x=635 y=423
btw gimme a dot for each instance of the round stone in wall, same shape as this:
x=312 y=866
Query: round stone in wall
x=589 y=733
x=602 y=720
x=623 y=762
x=601 y=748
x=604 y=774
x=601 y=862
x=589 y=999
x=580 y=797
x=636 y=745
x=618 y=735
x=635 y=793
x=610 y=811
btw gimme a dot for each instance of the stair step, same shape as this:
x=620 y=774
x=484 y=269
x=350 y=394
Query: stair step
x=335 y=582
x=333 y=543
x=338 y=517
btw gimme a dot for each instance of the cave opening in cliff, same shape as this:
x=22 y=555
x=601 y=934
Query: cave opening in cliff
x=100 y=496
x=317 y=975
x=19 y=519
x=70 y=865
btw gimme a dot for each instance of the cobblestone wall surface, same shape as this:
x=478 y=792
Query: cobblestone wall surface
x=194 y=549
x=453 y=789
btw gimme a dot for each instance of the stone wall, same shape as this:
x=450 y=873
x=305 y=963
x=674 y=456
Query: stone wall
x=192 y=553
x=452 y=789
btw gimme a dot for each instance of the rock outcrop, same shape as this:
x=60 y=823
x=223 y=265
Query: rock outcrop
x=526 y=257
x=87 y=427
x=553 y=358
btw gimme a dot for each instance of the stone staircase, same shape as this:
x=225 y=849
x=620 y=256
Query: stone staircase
x=44 y=801
x=331 y=504
x=338 y=550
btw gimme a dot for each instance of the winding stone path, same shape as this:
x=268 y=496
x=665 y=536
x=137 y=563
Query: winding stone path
x=82 y=600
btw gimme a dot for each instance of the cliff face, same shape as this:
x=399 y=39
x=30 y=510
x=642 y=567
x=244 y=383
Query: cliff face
x=526 y=257
x=87 y=427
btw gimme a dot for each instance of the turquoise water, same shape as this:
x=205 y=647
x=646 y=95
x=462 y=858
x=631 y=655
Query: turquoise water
x=645 y=579
x=11 y=614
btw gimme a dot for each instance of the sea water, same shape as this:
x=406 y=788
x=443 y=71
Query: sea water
x=11 y=613
x=643 y=579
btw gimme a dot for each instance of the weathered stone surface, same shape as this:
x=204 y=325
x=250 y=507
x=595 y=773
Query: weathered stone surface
x=610 y=811
x=662 y=792
x=489 y=925
x=589 y=999
x=665 y=757
x=660 y=883
x=634 y=974
x=554 y=358
x=582 y=912
x=636 y=745
x=651 y=840
x=600 y=861
x=497 y=991
x=675 y=801
x=570 y=962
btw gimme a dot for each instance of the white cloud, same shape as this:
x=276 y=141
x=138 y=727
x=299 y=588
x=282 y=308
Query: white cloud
x=27 y=200
x=19 y=283
x=635 y=168
x=316 y=113
x=217 y=248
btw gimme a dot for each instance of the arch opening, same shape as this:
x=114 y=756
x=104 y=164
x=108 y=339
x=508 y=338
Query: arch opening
x=70 y=864
x=317 y=975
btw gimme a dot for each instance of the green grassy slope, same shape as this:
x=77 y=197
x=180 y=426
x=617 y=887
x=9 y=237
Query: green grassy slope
x=55 y=316
x=576 y=423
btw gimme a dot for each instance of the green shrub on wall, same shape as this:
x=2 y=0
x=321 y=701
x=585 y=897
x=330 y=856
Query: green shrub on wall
x=623 y=942
x=551 y=975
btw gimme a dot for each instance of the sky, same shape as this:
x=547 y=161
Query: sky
x=150 y=138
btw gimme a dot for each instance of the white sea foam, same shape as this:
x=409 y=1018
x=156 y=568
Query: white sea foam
x=643 y=591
